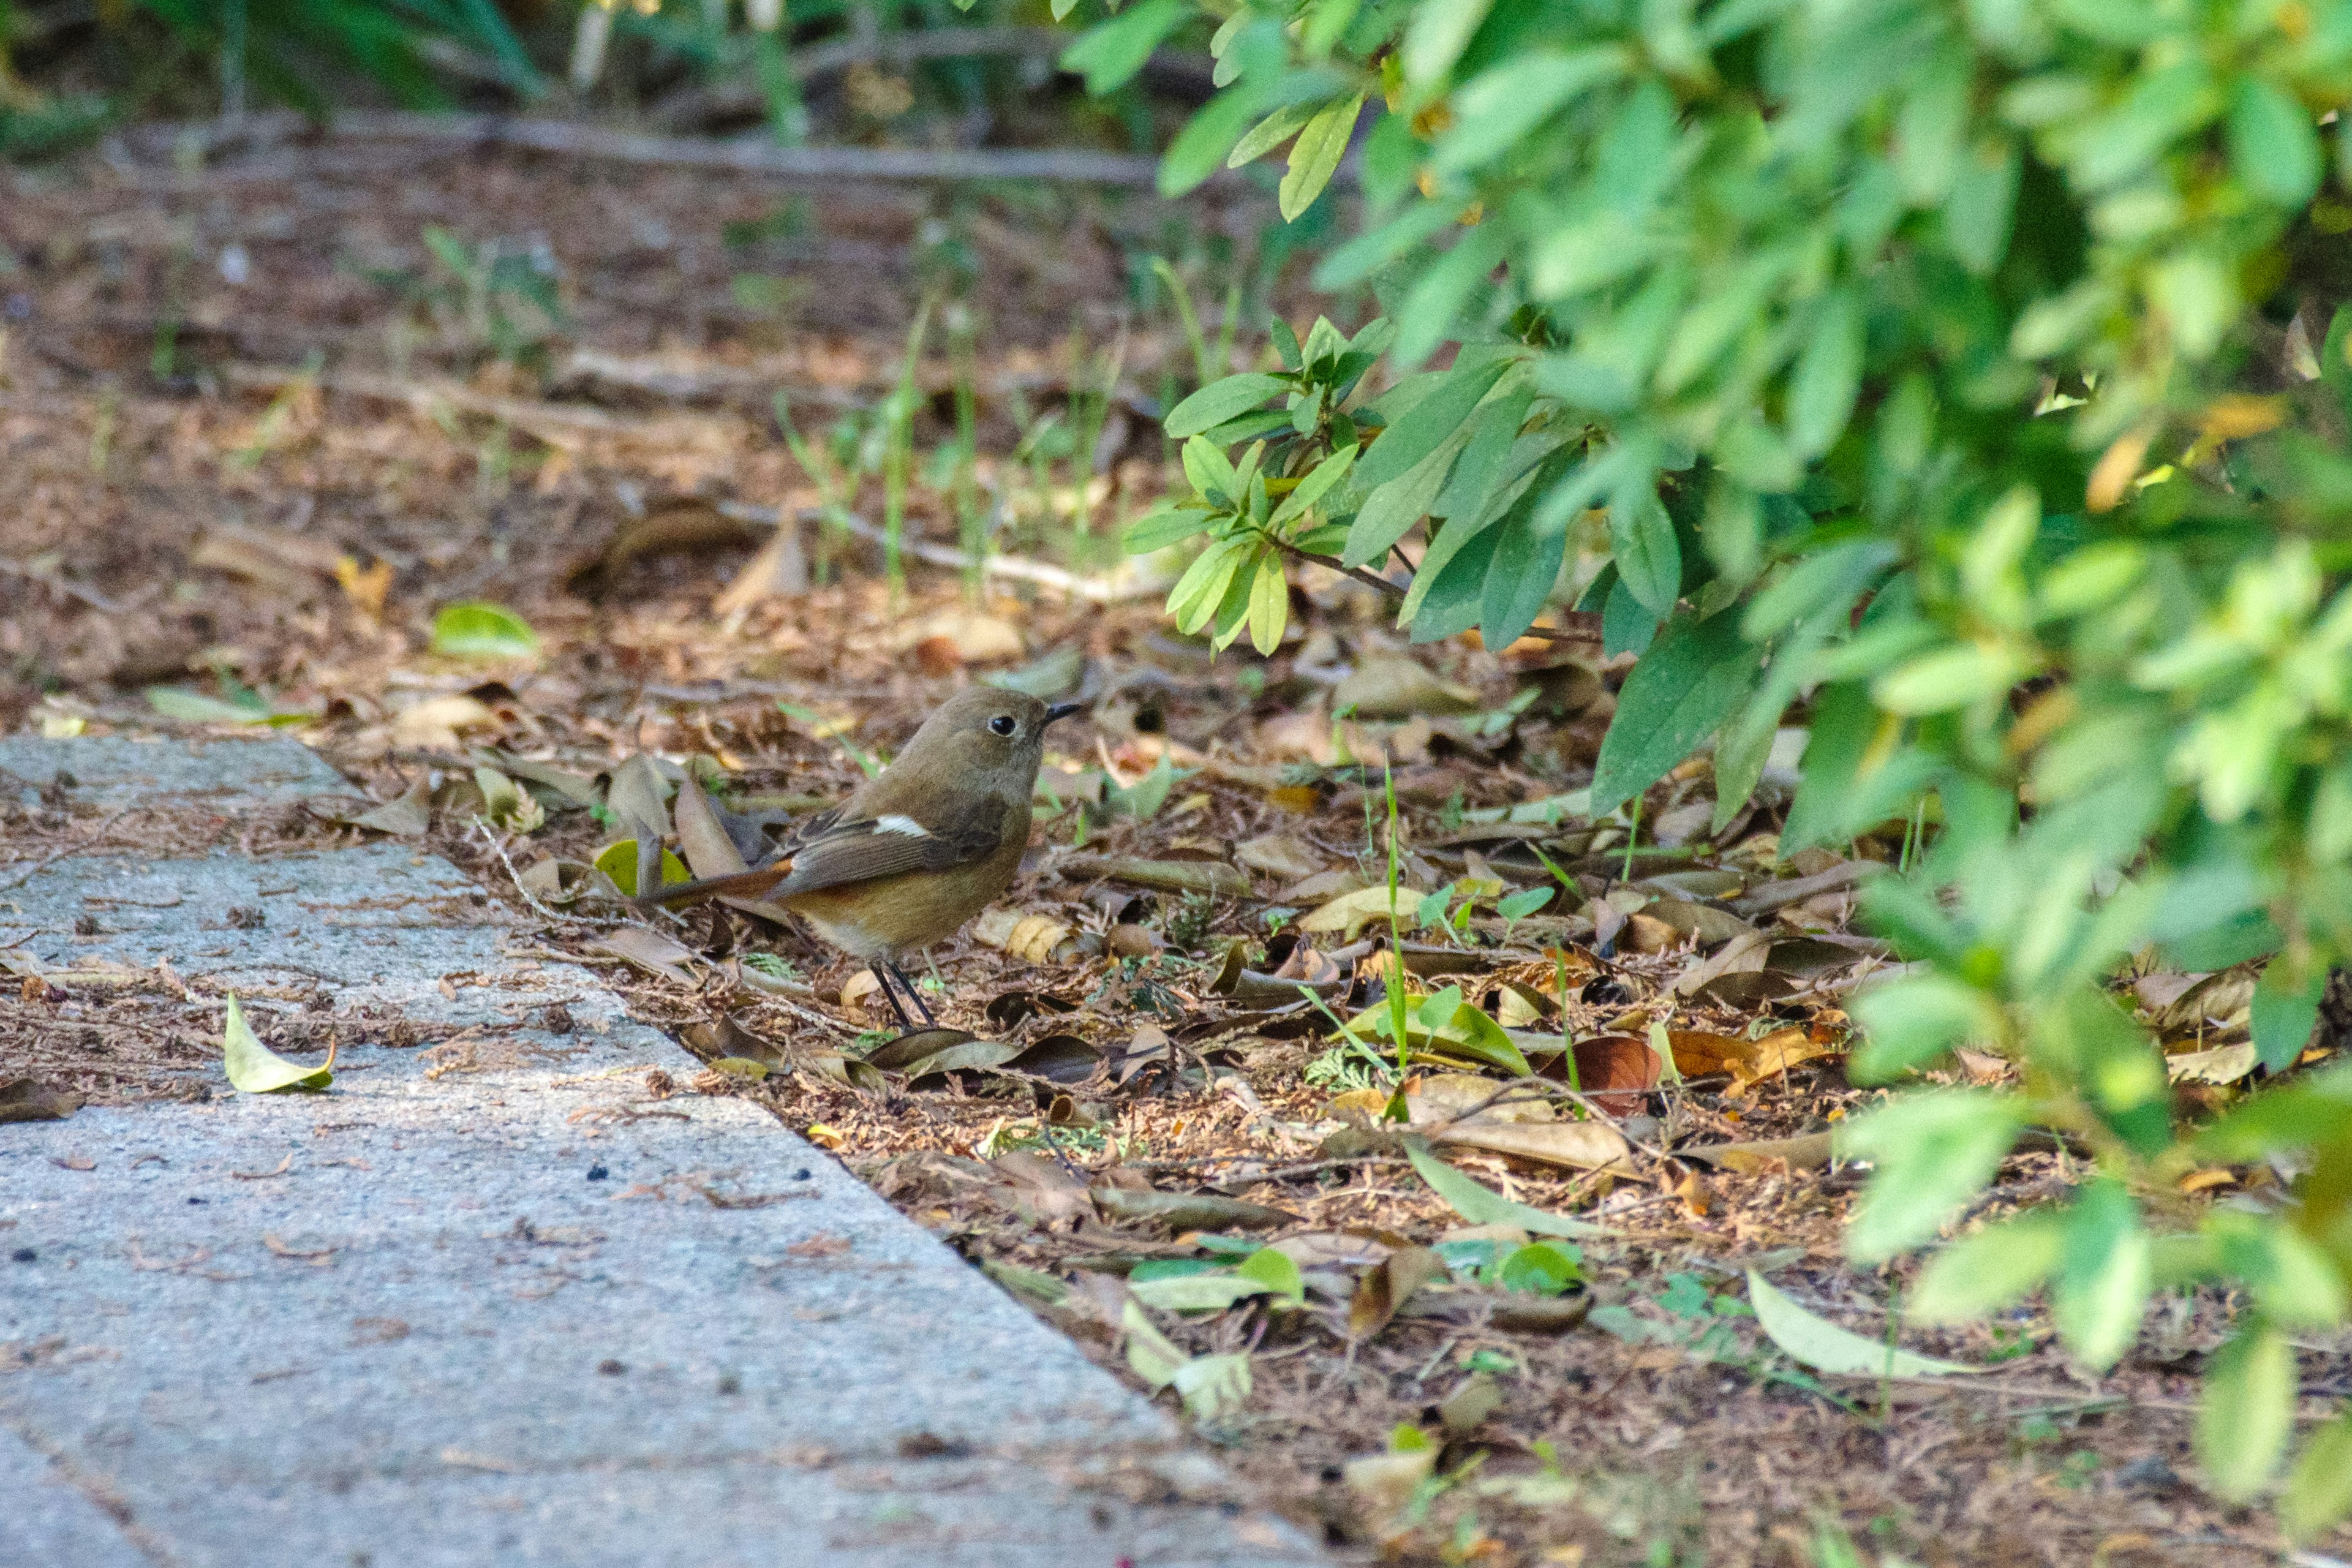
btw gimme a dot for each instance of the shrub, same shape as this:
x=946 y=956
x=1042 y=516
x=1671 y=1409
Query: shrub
x=1965 y=376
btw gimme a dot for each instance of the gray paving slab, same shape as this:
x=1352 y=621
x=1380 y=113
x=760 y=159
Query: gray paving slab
x=486 y=1303
x=113 y=772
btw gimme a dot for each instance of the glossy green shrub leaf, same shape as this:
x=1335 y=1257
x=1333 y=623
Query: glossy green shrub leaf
x=1315 y=156
x=2286 y=1011
x=1690 y=681
x=1220 y=401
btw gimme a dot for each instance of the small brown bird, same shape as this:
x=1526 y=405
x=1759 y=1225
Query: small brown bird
x=918 y=849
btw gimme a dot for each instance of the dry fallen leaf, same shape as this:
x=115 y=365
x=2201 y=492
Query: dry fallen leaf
x=1699 y=1053
x=1029 y=939
x=1349 y=911
x=432 y=724
x=1578 y=1145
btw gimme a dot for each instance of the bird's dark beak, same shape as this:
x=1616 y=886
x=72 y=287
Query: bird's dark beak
x=1062 y=710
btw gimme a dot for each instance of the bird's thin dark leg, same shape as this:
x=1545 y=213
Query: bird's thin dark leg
x=882 y=973
x=916 y=996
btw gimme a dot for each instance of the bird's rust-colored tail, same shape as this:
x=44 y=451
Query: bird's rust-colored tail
x=750 y=884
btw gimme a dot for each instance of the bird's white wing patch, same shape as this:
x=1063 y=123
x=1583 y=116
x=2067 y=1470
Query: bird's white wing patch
x=896 y=824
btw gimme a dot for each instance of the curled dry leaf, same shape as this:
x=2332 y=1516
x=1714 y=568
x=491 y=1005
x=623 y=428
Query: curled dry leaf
x=1282 y=855
x=1029 y=939
x=2222 y=1064
x=1578 y=1146
x=1711 y=926
x=1699 y=1053
x=702 y=838
x=638 y=795
x=1810 y=1151
x=434 y=724
x=1616 y=1071
x=1349 y=912
x=648 y=951
x=410 y=816
x=1388 y=1285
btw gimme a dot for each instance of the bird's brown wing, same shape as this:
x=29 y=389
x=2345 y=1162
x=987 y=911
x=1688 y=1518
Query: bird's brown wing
x=836 y=853
x=864 y=850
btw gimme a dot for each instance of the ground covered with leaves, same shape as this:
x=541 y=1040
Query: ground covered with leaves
x=469 y=471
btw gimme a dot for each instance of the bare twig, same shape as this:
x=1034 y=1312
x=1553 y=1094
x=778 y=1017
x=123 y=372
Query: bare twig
x=1312 y=1167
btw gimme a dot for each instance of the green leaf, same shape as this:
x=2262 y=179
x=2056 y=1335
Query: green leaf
x=1269 y=605
x=2105 y=1277
x=1391 y=511
x=254 y=1068
x=1521 y=577
x=1213 y=1385
x=1911 y=1022
x=1691 y=680
x=1426 y=317
x=1202 y=587
x=2286 y=1011
x=186 y=706
x=1220 y=401
x=2319 y=1490
x=1195 y=1292
x=1481 y=1205
x=1825 y=1347
x=1500 y=107
x=1989 y=1270
x=2273 y=149
x=1642 y=541
x=1270 y=132
x=1315 y=486
x=1150 y=1354
x=1828 y=375
x=1946 y=677
x=1158 y=530
x=2248 y=1412
x=1982 y=205
x=1274 y=1272
x=1436 y=37
x=1428 y=424
x=1110 y=53
x=1315 y=156
x=618 y=861
x=1540 y=1268
x=1519 y=906
x=475 y=630
x=1930 y=1152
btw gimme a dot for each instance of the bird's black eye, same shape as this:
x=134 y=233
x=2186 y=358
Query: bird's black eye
x=1002 y=724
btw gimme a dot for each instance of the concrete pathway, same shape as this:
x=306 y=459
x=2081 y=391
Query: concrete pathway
x=484 y=1303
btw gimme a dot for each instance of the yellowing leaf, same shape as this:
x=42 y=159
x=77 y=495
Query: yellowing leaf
x=254 y=1068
